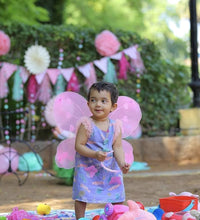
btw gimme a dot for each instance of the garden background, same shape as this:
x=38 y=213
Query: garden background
x=163 y=86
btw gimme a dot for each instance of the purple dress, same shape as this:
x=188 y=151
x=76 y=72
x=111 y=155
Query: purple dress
x=93 y=183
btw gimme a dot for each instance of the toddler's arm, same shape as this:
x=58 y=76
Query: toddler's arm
x=119 y=154
x=82 y=149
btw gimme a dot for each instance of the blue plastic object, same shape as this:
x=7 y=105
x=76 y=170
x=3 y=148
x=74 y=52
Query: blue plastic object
x=30 y=161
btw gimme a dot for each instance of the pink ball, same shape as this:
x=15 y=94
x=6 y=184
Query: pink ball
x=8 y=155
x=4 y=43
x=106 y=43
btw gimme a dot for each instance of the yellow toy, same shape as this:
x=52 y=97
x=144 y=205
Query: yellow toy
x=43 y=209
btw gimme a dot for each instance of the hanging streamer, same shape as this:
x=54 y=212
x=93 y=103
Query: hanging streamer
x=60 y=85
x=32 y=89
x=17 y=90
x=73 y=84
x=110 y=76
x=92 y=77
x=17 y=95
x=45 y=91
x=32 y=97
x=3 y=85
x=123 y=67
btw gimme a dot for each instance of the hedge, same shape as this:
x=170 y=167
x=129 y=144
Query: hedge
x=164 y=88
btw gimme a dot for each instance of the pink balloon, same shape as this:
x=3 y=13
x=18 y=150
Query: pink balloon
x=68 y=108
x=65 y=155
x=128 y=152
x=128 y=111
x=8 y=155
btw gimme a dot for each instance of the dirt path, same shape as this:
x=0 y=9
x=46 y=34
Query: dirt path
x=144 y=186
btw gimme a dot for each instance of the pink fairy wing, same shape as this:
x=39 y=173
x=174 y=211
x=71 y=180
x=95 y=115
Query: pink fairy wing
x=129 y=112
x=68 y=108
x=128 y=152
x=65 y=155
x=137 y=133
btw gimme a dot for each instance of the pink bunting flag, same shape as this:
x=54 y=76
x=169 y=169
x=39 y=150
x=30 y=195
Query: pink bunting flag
x=85 y=70
x=131 y=51
x=8 y=69
x=53 y=74
x=3 y=85
x=39 y=77
x=32 y=89
x=123 y=67
x=137 y=63
x=67 y=73
x=45 y=91
x=24 y=74
x=116 y=56
x=102 y=64
x=92 y=77
x=73 y=84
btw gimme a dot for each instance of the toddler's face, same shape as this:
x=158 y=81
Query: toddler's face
x=100 y=104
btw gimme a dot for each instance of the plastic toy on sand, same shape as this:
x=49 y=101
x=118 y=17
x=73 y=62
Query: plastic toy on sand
x=43 y=209
x=21 y=214
x=122 y=212
x=177 y=216
x=112 y=212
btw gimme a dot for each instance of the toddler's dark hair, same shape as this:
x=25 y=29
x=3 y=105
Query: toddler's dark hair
x=109 y=87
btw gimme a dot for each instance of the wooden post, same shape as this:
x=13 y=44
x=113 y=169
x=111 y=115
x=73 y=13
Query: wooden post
x=195 y=81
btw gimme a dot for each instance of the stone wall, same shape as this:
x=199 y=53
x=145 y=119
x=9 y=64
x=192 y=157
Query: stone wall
x=181 y=150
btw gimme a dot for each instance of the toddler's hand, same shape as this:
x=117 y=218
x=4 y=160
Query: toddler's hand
x=125 y=168
x=101 y=156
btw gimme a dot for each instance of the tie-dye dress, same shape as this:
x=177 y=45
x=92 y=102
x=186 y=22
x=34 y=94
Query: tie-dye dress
x=92 y=182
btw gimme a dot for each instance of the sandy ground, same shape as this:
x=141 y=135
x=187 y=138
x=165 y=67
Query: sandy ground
x=144 y=186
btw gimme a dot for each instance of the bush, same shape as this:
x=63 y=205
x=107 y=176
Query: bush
x=164 y=87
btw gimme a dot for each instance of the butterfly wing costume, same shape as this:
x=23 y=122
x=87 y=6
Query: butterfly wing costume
x=95 y=181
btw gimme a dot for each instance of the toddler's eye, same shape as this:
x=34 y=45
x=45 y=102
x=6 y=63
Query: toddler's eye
x=93 y=100
x=104 y=101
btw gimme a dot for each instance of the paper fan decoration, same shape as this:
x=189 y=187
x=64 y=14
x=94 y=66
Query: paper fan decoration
x=37 y=59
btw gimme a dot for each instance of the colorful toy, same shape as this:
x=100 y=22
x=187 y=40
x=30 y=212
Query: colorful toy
x=135 y=213
x=177 y=216
x=178 y=203
x=43 y=209
x=141 y=206
x=157 y=212
x=186 y=194
x=123 y=212
x=112 y=212
x=17 y=214
x=195 y=213
x=96 y=217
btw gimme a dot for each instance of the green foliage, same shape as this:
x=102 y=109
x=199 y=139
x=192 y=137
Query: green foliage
x=164 y=87
x=21 y=11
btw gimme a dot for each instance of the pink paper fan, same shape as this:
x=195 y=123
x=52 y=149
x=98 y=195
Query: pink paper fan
x=65 y=155
x=68 y=108
x=128 y=152
x=4 y=43
x=106 y=43
x=128 y=111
